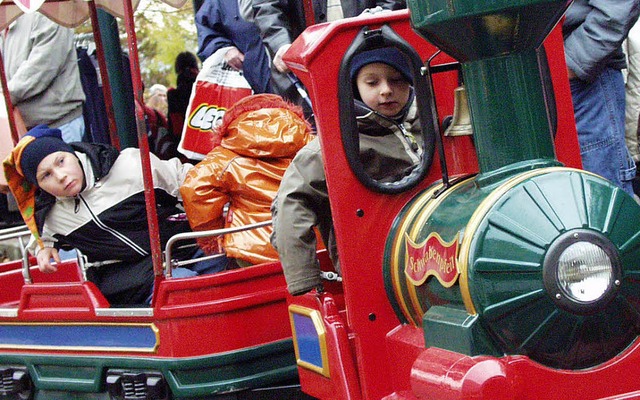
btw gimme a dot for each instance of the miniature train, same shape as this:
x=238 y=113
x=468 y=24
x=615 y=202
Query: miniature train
x=225 y=336
x=466 y=280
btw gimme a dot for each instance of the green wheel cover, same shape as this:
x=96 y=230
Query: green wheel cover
x=506 y=260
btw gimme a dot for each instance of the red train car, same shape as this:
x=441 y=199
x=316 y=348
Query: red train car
x=223 y=336
x=203 y=336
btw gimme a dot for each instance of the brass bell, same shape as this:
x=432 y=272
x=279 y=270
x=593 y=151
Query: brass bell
x=461 y=122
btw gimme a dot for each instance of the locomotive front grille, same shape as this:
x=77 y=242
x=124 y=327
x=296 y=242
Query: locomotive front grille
x=134 y=386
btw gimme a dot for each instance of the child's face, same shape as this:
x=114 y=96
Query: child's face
x=383 y=88
x=60 y=174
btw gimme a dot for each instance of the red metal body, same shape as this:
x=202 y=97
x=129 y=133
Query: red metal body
x=205 y=335
x=217 y=313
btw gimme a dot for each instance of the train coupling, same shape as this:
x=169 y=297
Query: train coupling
x=15 y=383
x=137 y=385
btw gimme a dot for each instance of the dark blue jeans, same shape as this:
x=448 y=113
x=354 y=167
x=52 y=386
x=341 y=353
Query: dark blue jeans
x=599 y=108
x=204 y=267
x=211 y=266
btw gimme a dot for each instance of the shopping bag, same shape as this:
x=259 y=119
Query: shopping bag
x=217 y=87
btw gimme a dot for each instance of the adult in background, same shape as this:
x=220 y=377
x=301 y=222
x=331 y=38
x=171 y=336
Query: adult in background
x=593 y=33
x=632 y=86
x=41 y=66
x=158 y=98
x=222 y=30
x=282 y=21
x=186 y=67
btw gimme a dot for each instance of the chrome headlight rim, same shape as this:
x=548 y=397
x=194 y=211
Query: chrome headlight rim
x=557 y=289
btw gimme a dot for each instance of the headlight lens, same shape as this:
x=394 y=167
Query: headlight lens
x=585 y=272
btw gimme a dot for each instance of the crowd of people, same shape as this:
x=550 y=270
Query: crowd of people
x=78 y=195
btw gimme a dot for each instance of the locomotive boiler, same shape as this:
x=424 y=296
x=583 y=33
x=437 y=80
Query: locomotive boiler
x=529 y=257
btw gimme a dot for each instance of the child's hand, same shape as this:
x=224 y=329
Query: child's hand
x=44 y=259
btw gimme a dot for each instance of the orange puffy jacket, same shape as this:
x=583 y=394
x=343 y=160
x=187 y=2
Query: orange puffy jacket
x=260 y=136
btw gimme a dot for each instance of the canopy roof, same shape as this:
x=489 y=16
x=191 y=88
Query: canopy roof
x=69 y=13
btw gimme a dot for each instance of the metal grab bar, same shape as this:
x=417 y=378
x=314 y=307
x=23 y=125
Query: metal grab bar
x=19 y=233
x=15 y=232
x=169 y=263
x=26 y=272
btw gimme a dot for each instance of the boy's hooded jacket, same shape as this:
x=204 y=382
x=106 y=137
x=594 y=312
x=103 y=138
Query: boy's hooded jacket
x=387 y=152
x=389 y=148
x=260 y=136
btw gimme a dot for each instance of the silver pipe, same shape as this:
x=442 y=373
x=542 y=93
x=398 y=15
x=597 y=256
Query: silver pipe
x=169 y=263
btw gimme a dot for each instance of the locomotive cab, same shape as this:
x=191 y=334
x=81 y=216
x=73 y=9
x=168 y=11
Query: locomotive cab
x=384 y=178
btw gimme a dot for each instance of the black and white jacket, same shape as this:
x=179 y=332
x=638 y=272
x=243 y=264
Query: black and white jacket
x=107 y=220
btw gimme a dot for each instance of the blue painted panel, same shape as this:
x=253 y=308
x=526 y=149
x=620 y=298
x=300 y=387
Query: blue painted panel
x=78 y=336
x=308 y=342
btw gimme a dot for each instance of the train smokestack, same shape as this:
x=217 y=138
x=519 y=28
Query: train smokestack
x=497 y=44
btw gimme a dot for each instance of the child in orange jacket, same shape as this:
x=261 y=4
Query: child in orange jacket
x=260 y=136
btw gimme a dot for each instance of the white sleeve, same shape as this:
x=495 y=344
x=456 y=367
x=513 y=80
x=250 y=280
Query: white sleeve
x=169 y=174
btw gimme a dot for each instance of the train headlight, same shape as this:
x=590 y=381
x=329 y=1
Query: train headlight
x=585 y=272
x=582 y=271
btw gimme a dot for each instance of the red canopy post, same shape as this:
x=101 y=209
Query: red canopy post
x=309 y=16
x=149 y=194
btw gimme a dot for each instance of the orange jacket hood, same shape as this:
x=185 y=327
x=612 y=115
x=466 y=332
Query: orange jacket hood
x=263 y=126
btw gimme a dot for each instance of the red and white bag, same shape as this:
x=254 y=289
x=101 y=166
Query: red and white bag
x=217 y=87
